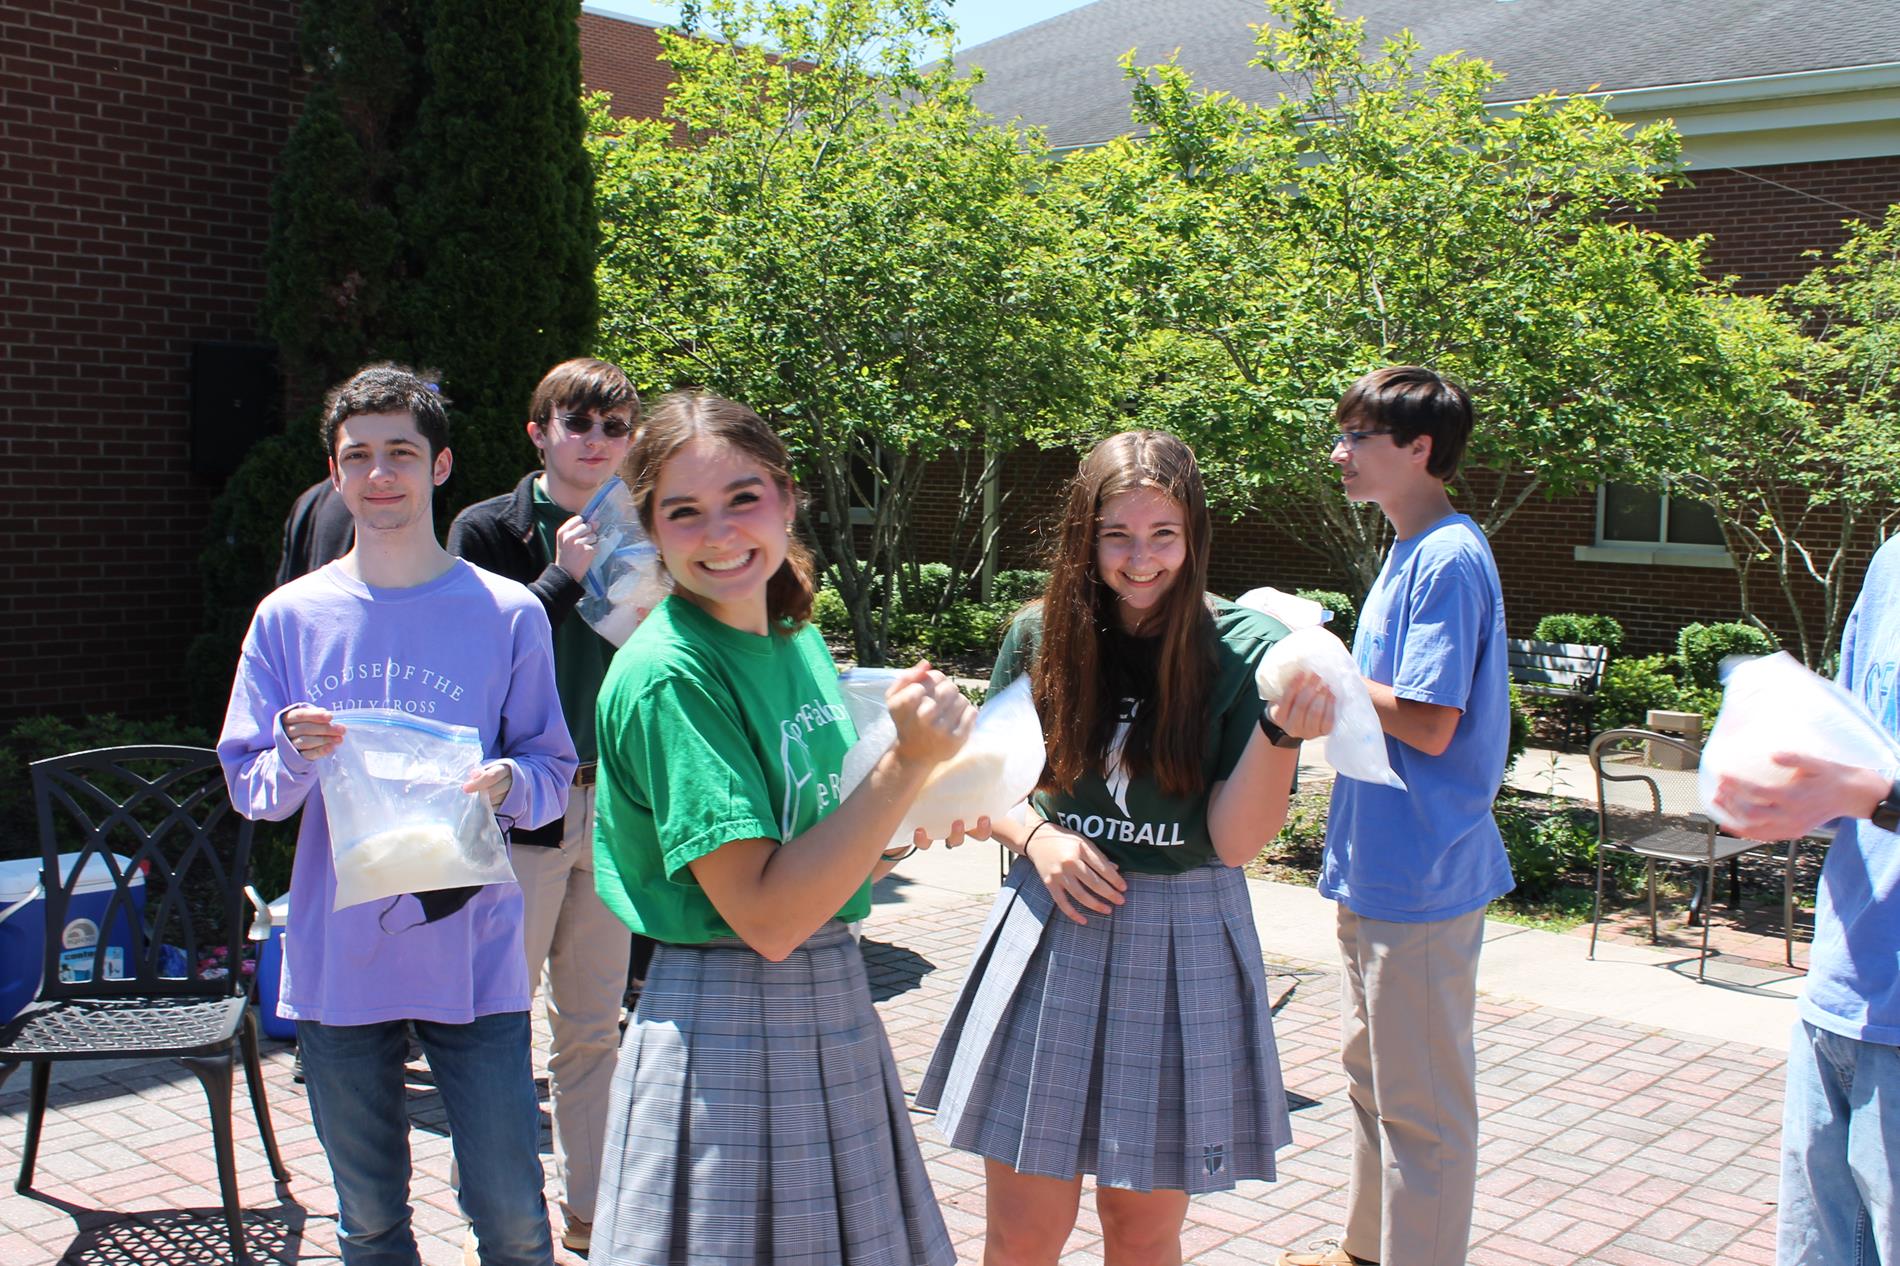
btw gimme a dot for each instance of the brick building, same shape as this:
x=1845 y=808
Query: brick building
x=139 y=140
x=1790 y=115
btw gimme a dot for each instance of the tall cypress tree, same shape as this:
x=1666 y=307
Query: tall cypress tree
x=499 y=213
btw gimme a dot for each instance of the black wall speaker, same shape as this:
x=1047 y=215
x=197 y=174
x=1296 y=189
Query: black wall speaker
x=237 y=398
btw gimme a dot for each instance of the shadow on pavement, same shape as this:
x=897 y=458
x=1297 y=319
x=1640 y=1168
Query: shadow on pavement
x=892 y=969
x=164 y=1237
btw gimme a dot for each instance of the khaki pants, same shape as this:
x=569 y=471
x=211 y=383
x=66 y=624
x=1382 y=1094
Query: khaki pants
x=583 y=948
x=1409 y=996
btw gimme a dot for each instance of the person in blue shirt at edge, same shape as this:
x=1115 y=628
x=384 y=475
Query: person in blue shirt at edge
x=1413 y=870
x=1840 y=1126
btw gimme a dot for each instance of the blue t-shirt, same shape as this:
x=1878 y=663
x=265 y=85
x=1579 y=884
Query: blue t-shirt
x=1854 y=973
x=1433 y=630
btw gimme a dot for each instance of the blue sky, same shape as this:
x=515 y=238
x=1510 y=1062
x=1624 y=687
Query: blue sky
x=977 y=20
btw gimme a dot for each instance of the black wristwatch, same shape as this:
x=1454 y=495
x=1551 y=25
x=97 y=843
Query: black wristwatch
x=1886 y=814
x=1275 y=735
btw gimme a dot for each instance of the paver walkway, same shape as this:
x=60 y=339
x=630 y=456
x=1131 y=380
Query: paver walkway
x=1602 y=1141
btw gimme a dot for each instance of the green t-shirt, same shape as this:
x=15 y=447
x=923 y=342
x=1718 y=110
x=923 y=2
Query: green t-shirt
x=707 y=735
x=581 y=656
x=1130 y=820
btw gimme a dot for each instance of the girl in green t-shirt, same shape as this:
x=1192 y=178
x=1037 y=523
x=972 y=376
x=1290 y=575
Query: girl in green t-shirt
x=756 y=1110
x=1116 y=1019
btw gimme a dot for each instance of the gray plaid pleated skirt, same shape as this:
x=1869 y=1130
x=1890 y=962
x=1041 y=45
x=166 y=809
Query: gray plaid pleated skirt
x=757 y=1117
x=1138 y=1047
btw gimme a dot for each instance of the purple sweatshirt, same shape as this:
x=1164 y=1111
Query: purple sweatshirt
x=468 y=648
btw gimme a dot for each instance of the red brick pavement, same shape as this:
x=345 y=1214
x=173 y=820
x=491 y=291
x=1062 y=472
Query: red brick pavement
x=1601 y=1143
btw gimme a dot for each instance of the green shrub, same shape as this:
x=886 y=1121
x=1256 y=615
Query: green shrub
x=1520 y=728
x=1017 y=586
x=1345 y=615
x=923 y=590
x=1586 y=630
x=1631 y=687
x=967 y=627
x=36 y=738
x=1701 y=648
x=1544 y=846
x=830 y=614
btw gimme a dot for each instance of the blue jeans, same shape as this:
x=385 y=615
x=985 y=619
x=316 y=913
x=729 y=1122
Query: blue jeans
x=483 y=1071
x=1840 y=1141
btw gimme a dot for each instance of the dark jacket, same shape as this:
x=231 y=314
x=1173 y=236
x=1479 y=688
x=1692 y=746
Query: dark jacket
x=319 y=530
x=498 y=535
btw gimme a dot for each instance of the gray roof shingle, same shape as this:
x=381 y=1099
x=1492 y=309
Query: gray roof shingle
x=1061 y=73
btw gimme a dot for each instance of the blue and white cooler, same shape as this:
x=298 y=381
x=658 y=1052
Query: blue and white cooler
x=23 y=926
x=270 y=972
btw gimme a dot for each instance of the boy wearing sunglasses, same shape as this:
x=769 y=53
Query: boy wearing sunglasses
x=581 y=417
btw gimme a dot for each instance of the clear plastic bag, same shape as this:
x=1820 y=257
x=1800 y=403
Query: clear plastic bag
x=399 y=819
x=1773 y=703
x=1288 y=608
x=1356 y=747
x=993 y=773
x=626 y=580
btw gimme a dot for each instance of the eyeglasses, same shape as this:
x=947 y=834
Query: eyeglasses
x=1352 y=439
x=582 y=423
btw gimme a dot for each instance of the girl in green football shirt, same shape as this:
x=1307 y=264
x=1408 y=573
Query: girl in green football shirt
x=1116 y=1019
x=756 y=1111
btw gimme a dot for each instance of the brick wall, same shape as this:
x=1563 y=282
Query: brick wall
x=622 y=59
x=140 y=138
x=1763 y=218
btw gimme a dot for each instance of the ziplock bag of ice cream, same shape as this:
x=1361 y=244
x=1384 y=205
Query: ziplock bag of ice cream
x=1356 y=747
x=399 y=819
x=993 y=773
x=626 y=579
x=1774 y=704
x=1288 y=608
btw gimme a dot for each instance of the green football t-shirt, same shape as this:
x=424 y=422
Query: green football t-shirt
x=709 y=734
x=1130 y=820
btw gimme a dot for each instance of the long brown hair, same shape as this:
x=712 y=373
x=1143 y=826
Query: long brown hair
x=1071 y=678
x=685 y=416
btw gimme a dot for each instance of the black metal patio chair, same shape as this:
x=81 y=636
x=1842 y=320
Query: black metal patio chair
x=1659 y=817
x=157 y=822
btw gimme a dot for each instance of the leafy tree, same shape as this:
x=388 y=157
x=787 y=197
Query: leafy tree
x=1809 y=465
x=844 y=243
x=1380 y=212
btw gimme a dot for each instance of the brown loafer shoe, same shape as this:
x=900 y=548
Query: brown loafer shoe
x=1323 y=1253
x=576 y=1234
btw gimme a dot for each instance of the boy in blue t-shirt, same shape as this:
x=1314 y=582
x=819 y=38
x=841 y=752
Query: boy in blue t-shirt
x=1413 y=870
x=1840 y=1127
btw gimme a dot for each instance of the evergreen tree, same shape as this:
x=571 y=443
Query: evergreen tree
x=500 y=219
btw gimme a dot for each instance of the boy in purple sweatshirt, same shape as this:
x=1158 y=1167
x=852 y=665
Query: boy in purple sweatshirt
x=399 y=623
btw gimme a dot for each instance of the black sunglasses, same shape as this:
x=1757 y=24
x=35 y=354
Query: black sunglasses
x=581 y=424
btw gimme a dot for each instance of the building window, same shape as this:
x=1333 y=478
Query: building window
x=1642 y=525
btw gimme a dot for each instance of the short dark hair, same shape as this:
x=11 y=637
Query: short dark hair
x=387 y=388
x=1410 y=401
x=583 y=384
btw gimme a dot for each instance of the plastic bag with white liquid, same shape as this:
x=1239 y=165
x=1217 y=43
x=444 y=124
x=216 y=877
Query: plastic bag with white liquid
x=626 y=579
x=399 y=819
x=1356 y=747
x=1774 y=704
x=996 y=769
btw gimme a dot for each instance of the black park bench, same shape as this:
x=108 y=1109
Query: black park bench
x=1566 y=673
